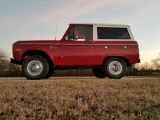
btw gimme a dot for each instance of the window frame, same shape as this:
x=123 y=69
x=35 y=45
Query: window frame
x=74 y=25
x=95 y=33
x=112 y=33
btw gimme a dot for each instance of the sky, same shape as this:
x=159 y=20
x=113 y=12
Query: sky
x=47 y=19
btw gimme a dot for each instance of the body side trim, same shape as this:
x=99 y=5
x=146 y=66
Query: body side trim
x=73 y=44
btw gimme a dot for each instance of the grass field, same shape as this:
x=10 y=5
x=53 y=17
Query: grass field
x=80 y=98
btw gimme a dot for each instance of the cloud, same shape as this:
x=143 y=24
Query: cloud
x=134 y=12
x=76 y=8
x=67 y=11
x=141 y=12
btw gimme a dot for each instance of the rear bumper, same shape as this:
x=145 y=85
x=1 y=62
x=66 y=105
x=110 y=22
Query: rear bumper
x=15 y=61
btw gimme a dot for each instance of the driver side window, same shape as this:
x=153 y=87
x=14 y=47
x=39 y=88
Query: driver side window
x=80 y=33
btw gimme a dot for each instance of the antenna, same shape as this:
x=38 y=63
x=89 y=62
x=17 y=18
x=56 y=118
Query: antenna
x=56 y=31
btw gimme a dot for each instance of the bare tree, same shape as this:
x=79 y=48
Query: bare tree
x=146 y=66
x=3 y=62
x=156 y=63
x=7 y=68
x=2 y=55
x=14 y=70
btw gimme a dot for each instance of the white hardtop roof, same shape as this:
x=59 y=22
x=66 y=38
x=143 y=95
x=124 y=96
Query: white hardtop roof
x=102 y=24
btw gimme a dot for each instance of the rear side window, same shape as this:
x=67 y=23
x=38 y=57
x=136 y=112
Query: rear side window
x=112 y=33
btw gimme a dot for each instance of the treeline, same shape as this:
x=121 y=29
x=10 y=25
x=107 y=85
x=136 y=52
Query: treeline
x=8 y=69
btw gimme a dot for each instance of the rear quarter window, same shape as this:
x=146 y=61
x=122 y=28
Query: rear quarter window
x=112 y=33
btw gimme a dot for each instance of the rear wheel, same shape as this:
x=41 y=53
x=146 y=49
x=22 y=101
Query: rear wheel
x=35 y=67
x=115 y=68
x=98 y=72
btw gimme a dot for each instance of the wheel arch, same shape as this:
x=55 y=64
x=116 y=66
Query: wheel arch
x=37 y=52
x=123 y=58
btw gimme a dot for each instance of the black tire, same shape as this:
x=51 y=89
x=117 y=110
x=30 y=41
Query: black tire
x=35 y=67
x=50 y=72
x=98 y=72
x=115 y=68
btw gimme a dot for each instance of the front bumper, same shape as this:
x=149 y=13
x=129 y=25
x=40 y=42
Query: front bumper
x=15 y=61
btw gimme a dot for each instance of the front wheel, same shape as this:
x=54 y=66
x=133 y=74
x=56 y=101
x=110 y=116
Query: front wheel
x=50 y=72
x=35 y=67
x=115 y=68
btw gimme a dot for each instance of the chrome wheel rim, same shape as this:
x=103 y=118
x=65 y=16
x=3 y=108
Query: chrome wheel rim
x=34 y=67
x=115 y=67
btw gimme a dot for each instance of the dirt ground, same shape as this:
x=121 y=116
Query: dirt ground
x=80 y=98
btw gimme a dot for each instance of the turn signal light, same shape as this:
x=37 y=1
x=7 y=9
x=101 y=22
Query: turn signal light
x=18 y=49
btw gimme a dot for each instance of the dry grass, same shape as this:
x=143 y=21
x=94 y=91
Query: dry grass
x=80 y=99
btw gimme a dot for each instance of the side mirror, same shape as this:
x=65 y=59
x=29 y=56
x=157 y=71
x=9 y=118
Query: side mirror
x=66 y=37
x=76 y=37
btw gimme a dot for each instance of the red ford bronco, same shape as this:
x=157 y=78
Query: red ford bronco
x=106 y=48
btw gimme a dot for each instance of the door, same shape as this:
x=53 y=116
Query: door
x=78 y=48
